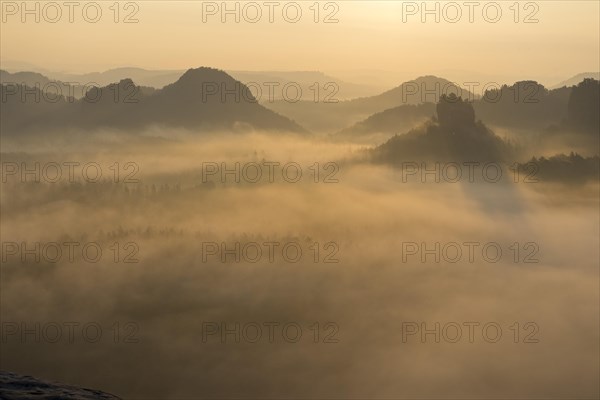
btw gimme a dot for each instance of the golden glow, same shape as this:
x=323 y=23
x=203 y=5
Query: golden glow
x=369 y=35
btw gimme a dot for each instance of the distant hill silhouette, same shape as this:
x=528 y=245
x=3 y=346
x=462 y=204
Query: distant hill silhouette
x=28 y=78
x=44 y=83
x=574 y=80
x=562 y=168
x=581 y=126
x=525 y=104
x=424 y=89
x=160 y=78
x=454 y=135
x=390 y=121
x=306 y=81
x=584 y=107
x=144 y=77
x=202 y=98
x=333 y=116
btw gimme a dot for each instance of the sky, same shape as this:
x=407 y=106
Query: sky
x=506 y=40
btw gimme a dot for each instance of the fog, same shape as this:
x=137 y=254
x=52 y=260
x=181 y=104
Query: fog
x=367 y=290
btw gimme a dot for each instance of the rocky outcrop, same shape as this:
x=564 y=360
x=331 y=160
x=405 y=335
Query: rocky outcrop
x=23 y=387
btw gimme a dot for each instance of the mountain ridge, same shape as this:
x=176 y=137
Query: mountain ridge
x=203 y=98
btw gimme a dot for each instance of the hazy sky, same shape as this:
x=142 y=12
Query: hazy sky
x=385 y=35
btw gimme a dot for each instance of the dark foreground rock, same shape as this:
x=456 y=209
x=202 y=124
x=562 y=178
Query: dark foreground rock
x=21 y=387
